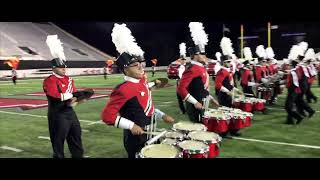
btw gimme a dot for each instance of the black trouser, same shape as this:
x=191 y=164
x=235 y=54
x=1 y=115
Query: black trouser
x=153 y=72
x=248 y=90
x=309 y=93
x=65 y=126
x=224 y=99
x=290 y=101
x=193 y=113
x=14 y=80
x=301 y=104
x=276 y=90
x=181 y=105
x=133 y=143
x=105 y=76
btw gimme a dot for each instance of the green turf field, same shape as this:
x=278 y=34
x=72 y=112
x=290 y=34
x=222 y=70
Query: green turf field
x=101 y=141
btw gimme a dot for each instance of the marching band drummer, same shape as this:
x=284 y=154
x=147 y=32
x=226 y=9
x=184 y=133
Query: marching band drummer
x=182 y=63
x=247 y=79
x=194 y=84
x=293 y=91
x=130 y=106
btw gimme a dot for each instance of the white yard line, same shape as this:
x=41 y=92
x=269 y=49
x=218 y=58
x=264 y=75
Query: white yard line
x=23 y=114
x=11 y=148
x=280 y=143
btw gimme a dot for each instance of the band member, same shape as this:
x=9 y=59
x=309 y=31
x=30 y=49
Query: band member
x=62 y=94
x=293 y=91
x=14 y=76
x=194 y=84
x=247 y=76
x=247 y=80
x=154 y=64
x=182 y=63
x=130 y=106
x=309 y=58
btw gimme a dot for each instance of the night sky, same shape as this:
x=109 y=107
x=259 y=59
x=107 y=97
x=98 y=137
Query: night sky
x=161 y=40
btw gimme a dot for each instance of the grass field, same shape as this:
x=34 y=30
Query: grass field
x=19 y=130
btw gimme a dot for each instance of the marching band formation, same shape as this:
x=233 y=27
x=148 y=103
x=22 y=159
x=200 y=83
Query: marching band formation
x=242 y=87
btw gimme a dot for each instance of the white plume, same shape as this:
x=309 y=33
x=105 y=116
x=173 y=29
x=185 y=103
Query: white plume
x=269 y=52
x=198 y=34
x=247 y=53
x=183 y=49
x=55 y=46
x=261 y=52
x=226 y=46
x=124 y=41
x=304 y=46
x=310 y=54
x=295 y=51
x=218 y=56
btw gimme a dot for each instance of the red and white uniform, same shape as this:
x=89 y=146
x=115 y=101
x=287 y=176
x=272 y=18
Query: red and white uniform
x=247 y=78
x=130 y=103
x=224 y=80
x=194 y=84
x=293 y=81
x=60 y=87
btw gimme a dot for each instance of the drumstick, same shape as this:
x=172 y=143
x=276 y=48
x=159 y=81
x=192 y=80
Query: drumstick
x=151 y=133
x=154 y=139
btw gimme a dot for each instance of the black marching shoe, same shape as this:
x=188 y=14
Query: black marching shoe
x=299 y=121
x=235 y=134
x=312 y=113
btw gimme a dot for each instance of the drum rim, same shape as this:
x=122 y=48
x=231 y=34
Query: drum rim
x=213 y=141
x=204 y=128
x=198 y=151
x=179 y=154
x=176 y=138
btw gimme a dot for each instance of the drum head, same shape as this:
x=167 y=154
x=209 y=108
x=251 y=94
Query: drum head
x=169 y=141
x=204 y=136
x=193 y=147
x=188 y=126
x=159 y=151
x=174 y=135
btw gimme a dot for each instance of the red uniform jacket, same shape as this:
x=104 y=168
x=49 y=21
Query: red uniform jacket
x=194 y=82
x=293 y=82
x=55 y=85
x=131 y=100
x=246 y=77
x=58 y=90
x=224 y=78
x=259 y=73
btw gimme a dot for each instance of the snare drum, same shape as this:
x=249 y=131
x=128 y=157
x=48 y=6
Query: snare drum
x=237 y=121
x=216 y=121
x=186 y=127
x=246 y=105
x=160 y=151
x=194 y=149
x=259 y=104
x=170 y=141
x=174 y=135
x=237 y=103
x=248 y=119
x=210 y=138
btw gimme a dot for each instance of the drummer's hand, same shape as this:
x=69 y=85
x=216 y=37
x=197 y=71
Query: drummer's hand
x=157 y=82
x=215 y=103
x=137 y=130
x=167 y=119
x=198 y=106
